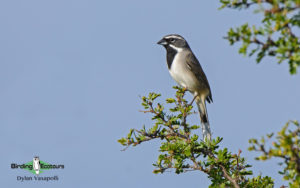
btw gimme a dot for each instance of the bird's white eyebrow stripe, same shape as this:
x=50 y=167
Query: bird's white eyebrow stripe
x=173 y=36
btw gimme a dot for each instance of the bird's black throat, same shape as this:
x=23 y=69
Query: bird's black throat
x=171 y=52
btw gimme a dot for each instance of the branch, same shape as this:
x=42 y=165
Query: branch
x=181 y=149
x=233 y=181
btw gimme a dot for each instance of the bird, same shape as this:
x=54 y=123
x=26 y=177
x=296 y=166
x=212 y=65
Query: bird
x=36 y=165
x=186 y=70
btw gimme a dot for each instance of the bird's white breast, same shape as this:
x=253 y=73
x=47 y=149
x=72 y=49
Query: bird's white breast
x=36 y=164
x=181 y=73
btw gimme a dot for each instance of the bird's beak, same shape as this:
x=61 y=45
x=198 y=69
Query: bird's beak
x=162 y=42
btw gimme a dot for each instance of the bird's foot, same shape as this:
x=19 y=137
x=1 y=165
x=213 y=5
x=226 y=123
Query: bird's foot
x=185 y=89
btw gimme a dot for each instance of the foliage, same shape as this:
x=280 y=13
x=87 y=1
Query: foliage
x=286 y=146
x=277 y=34
x=183 y=151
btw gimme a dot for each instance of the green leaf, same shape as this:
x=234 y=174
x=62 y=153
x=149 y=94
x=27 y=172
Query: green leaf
x=170 y=100
x=123 y=141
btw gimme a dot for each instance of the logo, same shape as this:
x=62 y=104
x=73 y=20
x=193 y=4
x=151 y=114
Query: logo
x=37 y=167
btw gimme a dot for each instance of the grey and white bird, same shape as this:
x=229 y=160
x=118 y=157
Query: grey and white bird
x=36 y=165
x=186 y=70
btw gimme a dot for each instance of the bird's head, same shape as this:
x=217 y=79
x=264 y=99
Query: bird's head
x=174 y=41
x=36 y=158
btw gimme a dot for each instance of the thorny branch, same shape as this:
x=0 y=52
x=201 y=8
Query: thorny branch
x=182 y=150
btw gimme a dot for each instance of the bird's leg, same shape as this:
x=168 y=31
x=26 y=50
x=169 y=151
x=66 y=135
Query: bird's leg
x=192 y=101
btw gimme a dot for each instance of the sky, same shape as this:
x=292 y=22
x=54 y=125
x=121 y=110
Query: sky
x=72 y=73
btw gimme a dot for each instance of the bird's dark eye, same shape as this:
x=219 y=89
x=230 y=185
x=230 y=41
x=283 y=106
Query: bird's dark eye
x=172 y=40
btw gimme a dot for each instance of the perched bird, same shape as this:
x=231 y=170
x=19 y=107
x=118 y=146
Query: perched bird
x=186 y=70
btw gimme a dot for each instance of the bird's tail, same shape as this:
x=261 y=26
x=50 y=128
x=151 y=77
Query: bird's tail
x=204 y=118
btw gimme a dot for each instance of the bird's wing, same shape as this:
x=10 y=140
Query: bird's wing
x=196 y=69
